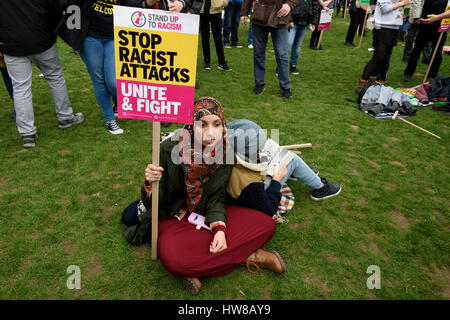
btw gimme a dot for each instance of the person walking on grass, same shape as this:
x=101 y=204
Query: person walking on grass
x=306 y=13
x=211 y=18
x=27 y=38
x=388 y=19
x=231 y=24
x=236 y=234
x=270 y=18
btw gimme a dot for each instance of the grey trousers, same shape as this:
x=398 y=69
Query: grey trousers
x=20 y=70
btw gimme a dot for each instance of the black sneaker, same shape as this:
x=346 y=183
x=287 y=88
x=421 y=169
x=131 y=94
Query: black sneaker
x=237 y=45
x=113 y=127
x=259 y=88
x=350 y=44
x=407 y=77
x=227 y=46
x=224 y=67
x=293 y=70
x=76 y=119
x=327 y=191
x=29 y=141
x=287 y=93
x=207 y=66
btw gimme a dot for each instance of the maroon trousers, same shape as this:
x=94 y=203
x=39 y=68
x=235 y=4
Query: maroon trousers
x=184 y=250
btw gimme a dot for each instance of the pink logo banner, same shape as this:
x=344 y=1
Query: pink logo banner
x=155 y=102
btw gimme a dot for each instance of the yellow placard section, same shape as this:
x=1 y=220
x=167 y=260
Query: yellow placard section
x=155 y=56
x=446 y=21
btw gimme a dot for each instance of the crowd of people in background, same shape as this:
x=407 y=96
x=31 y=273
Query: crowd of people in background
x=31 y=39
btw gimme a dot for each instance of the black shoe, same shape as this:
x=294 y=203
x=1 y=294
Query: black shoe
x=327 y=191
x=293 y=70
x=443 y=109
x=207 y=66
x=349 y=44
x=29 y=141
x=287 y=93
x=224 y=67
x=237 y=45
x=407 y=77
x=76 y=119
x=165 y=124
x=259 y=88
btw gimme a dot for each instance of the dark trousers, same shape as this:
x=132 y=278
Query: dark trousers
x=383 y=41
x=425 y=34
x=356 y=23
x=315 y=35
x=7 y=81
x=231 y=23
x=409 y=44
x=215 y=21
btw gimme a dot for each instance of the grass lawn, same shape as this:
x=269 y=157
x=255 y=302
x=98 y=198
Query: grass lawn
x=61 y=202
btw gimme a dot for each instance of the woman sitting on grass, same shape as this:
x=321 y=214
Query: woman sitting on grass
x=237 y=234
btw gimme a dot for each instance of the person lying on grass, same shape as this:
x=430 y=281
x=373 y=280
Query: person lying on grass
x=236 y=234
x=251 y=185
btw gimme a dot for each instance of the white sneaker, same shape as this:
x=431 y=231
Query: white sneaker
x=250 y=46
x=113 y=127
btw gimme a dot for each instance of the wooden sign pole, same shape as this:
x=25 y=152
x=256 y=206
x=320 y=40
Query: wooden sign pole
x=432 y=58
x=320 y=39
x=155 y=190
x=363 y=29
x=345 y=7
x=414 y=125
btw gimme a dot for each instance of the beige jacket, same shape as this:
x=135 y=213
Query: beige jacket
x=217 y=6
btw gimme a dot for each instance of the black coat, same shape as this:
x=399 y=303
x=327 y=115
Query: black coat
x=306 y=12
x=27 y=26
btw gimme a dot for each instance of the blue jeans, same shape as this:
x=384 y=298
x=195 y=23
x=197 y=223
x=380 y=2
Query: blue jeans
x=98 y=56
x=250 y=36
x=294 y=41
x=298 y=169
x=231 y=23
x=279 y=38
x=7 y=81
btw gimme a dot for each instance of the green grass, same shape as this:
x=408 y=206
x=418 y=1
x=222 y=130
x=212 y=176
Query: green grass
x=60 y=203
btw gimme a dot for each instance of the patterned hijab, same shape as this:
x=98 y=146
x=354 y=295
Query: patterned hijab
x=197 y=174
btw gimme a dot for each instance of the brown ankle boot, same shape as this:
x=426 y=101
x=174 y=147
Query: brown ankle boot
x=267 y=259
x=361 y=85
x=372 y=81
x=192 y=285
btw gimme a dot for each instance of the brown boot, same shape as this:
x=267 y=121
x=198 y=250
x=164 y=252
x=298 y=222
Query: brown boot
x=372 y=81
x=267 y=259
x=192 y=285
x=361 y=85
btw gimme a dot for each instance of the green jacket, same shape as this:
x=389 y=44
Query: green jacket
x=173 y=194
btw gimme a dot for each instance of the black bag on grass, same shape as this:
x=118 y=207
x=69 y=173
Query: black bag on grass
x=136 y=224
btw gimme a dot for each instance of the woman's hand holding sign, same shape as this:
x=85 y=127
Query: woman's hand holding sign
x=153 y=173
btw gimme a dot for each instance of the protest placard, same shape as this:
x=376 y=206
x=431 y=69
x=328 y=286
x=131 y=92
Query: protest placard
x=156 y=60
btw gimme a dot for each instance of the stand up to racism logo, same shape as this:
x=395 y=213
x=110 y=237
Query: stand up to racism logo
x=138 y=19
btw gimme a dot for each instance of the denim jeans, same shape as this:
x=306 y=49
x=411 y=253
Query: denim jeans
x=250 y=35
x=294 y=41
x=231 y=23
x=20 y=70
x=279 y=38
x=98 y=56
x=298 y=169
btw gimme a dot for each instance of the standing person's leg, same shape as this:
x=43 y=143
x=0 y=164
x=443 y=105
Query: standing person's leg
x=48 y=62
x=110 y=69
x=379 y=54
x=250 y=36
x=279 y=37
x=409 y=41
x=314 y=38
x=299 y=32
x=387 y=62
x=260 y=35
x=438 y=57
x=7 y=82
x=93 y=54
x=227 y=24
x=421 y=41
x=235 y=24
x=204 y=32
x=354 y=19
x=20 y=71
x=216 y=22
